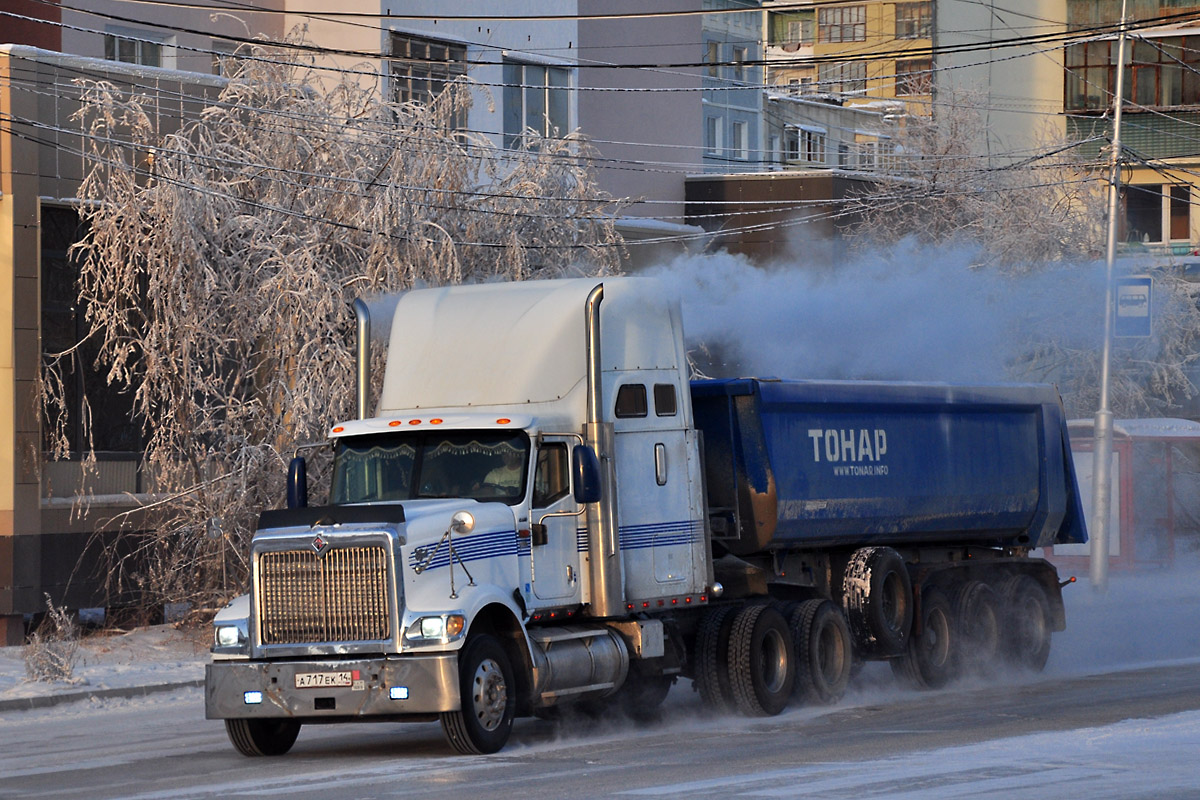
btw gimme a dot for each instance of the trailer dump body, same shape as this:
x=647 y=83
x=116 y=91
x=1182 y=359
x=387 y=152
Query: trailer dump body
x=798 y=464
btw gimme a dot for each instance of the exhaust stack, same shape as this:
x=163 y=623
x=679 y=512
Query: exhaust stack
x=362 y=357
x=604 y=552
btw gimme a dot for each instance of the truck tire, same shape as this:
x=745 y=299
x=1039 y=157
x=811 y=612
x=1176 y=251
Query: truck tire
x=486 y=683
x=710 y=657
x=262 y=737
x=823 y=651
x=762 y=667
x=641 y=697
x=1026 y=642
x=877 y=596
x=931 y=660
x=977 y=612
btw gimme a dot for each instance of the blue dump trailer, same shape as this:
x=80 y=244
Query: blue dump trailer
x=914 y=508
x=544 y=510
x=804 y=464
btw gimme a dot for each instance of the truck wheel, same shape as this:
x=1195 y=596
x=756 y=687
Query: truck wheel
x=977 y=612
x=641 y=697
x=262 y=737
x=711 y=672
x=761 y=667
x=1027 y=623
x=877 y=595
x=931 y=660
x=822 y=641
x=485 y=681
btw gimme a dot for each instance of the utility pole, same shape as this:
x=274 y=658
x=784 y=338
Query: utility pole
x=1102 y=428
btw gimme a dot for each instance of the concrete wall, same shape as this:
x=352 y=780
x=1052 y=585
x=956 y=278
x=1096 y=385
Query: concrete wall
x=1020 y=88
x=648 y=140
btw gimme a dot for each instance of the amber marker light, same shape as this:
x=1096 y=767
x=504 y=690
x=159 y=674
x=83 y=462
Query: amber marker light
x=414 y=422
x=338 y=429
x=503 y=421
x=435 y=422
x=395 y=423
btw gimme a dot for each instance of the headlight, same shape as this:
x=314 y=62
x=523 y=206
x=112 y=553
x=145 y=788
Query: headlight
x=442 y=628
x=229 y=636
x=231 y=630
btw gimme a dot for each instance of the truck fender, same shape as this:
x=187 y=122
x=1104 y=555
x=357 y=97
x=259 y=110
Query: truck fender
x=497 y=615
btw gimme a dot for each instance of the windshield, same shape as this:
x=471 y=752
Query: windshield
x=483 y=465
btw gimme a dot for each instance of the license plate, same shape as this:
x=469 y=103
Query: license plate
x=325 y=680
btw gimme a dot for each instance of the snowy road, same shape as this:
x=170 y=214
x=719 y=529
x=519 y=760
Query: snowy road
x=1116 y=716
x=1122 y=734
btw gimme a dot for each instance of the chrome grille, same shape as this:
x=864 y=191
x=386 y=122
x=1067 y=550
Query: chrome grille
x=340 y=596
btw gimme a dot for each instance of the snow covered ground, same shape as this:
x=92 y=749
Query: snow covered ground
x=151 y=656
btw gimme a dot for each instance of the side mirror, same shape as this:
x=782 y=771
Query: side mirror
x=297 y=483
x=585 y=468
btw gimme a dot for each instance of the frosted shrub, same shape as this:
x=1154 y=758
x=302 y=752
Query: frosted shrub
x=53 y=649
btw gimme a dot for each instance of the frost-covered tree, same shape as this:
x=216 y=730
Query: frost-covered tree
x=1021 y=210
x=221 y=260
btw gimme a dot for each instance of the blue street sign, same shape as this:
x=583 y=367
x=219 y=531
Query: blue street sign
x=1134 y=310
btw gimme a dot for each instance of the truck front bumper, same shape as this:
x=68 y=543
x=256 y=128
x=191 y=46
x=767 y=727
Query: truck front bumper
x=383 y=686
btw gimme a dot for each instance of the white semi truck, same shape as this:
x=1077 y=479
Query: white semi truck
x=544 y=510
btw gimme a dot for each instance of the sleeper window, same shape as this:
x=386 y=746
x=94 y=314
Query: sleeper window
x=631 y=400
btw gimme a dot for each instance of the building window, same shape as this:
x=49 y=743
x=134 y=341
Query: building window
x=812 y=146
x=1143 y=213
x=1181 y=210
x=420 y=68
x=116 y=428
x=712 y=57
x=224 y=59
x=131 y=50
x=739 y=64
x=1160 y=73
x=713 y=139
x=849 y=77
x=801 y=31
x=914 y=20
x=741 y=140
x=914 y=77
x=535 y=99
x=842 y=24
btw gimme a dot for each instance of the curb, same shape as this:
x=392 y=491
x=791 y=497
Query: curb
x=48 y=701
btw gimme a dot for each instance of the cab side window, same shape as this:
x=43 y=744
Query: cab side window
x=664 y=400
x=552 y=478
x=631 y=401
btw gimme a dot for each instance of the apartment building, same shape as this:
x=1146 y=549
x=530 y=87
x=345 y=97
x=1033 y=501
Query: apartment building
x=1161 y=182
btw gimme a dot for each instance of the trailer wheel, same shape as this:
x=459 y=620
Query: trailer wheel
x=823 y=660
x=262 y=737
x=977 y=612
x=711 y=659
x=486 y=684
x=761 y=667
x=877 y=595
x=1026 y=623
x=931 y=660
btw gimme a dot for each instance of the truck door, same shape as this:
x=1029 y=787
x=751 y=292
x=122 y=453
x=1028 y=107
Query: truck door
x=658 y=508
x=554 y=549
